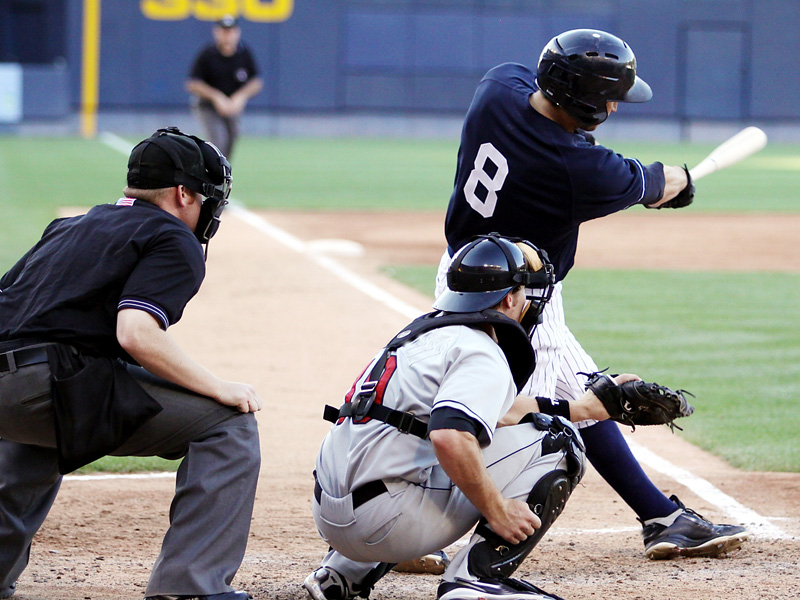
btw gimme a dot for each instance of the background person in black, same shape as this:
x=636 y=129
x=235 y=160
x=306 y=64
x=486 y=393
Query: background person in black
x=224 y=77
x=526 y=168
x=80 y=311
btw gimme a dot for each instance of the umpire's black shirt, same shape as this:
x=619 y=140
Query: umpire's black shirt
x=225 y=73
x=70 y=285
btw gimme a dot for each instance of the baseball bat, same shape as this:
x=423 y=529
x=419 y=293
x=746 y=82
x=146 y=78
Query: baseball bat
x=748 y=141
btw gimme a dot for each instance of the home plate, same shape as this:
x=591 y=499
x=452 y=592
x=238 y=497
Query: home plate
x=337 y=247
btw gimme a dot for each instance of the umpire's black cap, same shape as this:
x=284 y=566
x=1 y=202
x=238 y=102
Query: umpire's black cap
x=169 y=158
x=161 y=160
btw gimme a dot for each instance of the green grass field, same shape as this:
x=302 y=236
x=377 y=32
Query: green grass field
x=727 y=338
x=731 y=339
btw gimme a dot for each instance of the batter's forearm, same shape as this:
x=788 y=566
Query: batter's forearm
x=674 y=182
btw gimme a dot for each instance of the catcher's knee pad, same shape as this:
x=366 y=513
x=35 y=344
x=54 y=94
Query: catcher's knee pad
x=495 y=557
x=562 y=436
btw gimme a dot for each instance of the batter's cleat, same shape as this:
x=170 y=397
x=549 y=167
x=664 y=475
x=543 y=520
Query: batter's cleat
x=492 y=589
x=234 y=595
x=326 y=584
x=690 y=535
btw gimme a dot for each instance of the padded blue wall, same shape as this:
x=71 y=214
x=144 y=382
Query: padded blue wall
x=717 y=59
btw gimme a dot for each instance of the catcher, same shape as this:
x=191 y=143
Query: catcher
x=433 y=440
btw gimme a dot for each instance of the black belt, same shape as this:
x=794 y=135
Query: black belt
x=361 y=495
x=14 y=359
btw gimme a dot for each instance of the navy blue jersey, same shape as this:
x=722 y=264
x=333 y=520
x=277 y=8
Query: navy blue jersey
x=522 y=175
x=70 y=285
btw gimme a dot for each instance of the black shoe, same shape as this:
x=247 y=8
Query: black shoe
x=326 y=584
x=234 y=595
x=7 y=592
x=690 y=535
x=492 y=589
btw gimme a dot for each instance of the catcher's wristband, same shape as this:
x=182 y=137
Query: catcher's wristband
x=553 y=406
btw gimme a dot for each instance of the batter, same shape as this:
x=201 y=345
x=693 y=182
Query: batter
x=528 y=168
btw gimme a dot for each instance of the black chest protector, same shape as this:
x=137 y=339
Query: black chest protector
x=512 y=339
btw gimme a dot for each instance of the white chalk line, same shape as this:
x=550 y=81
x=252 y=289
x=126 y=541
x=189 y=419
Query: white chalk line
x=106 y=476
x=115 y=142
x=329 y=264
x=756 y=523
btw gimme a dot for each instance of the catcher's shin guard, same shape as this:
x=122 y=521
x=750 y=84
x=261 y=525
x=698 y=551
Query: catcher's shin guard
x=495 y=557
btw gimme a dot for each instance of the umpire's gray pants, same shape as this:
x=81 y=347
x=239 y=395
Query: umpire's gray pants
x=215 y=484
x=220 y=131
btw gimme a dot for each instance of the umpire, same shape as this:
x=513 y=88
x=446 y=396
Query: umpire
x=87 y=369
x=223 y=78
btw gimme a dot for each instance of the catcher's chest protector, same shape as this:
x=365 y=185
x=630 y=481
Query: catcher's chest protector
x=512 y=339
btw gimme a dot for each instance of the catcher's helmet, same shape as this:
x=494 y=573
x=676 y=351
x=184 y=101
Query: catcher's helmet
x=582 y=69
x=489 y=267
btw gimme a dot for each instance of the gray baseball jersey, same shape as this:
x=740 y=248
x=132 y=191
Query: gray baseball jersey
x=457 y=367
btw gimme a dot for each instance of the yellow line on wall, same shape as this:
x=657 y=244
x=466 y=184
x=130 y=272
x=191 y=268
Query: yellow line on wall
x=90 y=67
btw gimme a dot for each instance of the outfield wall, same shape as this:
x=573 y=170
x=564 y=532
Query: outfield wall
x=717 y=60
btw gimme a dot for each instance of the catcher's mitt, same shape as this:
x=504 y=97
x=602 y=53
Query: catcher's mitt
x=639 y=402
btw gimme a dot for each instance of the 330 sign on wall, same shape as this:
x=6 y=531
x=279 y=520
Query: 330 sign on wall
x=262 y=11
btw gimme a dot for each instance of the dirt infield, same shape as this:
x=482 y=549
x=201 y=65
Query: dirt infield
x=301 y=334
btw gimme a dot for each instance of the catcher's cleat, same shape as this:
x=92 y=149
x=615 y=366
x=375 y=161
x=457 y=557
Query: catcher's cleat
x=690 y=535
x=326 y=584
x=492 y=589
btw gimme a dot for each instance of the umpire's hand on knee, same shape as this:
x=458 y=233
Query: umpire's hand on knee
x=241 y=396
